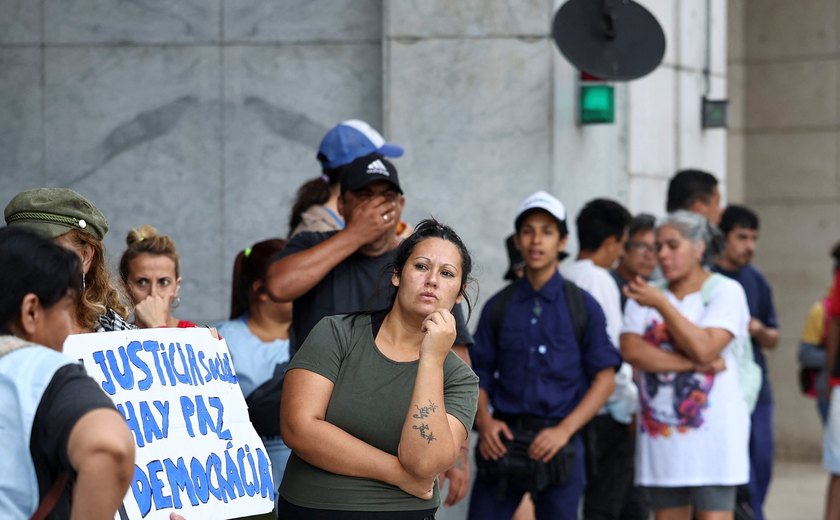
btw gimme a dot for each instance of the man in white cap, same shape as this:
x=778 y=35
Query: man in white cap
x=546 y=366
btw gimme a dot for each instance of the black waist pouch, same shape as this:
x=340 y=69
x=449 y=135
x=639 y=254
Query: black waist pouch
x=516 y=469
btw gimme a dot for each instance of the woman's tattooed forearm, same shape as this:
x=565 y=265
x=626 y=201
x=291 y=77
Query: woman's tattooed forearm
x=423 y=428
x=424 y=412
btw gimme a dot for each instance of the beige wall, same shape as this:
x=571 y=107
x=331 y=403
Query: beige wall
x=784 y=69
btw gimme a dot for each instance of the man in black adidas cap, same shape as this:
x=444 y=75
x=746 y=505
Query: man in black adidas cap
x=337 y=272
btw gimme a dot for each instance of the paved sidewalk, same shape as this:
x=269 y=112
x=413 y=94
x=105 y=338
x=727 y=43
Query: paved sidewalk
x=797 y=491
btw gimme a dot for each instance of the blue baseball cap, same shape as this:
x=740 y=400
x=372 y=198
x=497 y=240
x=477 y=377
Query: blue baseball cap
x=350 y=140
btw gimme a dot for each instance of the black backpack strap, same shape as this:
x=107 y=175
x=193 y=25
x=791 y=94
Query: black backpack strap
x=577 y=309
x=500 y=305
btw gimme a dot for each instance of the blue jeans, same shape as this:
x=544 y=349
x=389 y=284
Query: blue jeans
x=555 y=502
x=761 y=456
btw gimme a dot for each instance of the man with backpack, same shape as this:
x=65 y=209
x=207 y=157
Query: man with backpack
x=545 y=365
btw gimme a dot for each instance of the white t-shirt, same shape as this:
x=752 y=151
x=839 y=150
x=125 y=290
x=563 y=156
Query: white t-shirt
x=693 y=428
x=598 y=282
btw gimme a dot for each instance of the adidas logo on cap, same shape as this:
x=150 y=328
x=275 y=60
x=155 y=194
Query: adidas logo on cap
x=377 y=168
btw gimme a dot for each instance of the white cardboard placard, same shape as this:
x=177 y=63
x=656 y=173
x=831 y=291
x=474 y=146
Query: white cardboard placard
x=196 y=451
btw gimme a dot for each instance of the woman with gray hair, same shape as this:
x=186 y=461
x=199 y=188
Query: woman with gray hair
x=682 y=337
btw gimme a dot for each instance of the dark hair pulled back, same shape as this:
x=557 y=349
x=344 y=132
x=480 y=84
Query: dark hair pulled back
x=30 y=263
x=250 y=265
x=431 y=228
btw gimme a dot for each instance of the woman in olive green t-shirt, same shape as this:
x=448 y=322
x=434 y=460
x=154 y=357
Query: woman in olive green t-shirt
x=375 y=405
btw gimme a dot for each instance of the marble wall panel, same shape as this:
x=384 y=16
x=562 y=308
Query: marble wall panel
x=799 y=166
x=792 y=94
x=651 y=112
x=137 y=129
x=21 y=125
x=588 y=161
x=736 y=81
x=565 y=95
x=691 y=32
x=793 y=253
x=588 y=165
x=736 y=30
x=302 y=20
x=735 y=167
x=280 y=101
x=700 y=44
x=20 y=21
x=719 y=37
x=114 y=21
x=699 y=147
x=779 y=29
x=434 y=18
x=473 y=118
x=736 y=93
x=647 y=194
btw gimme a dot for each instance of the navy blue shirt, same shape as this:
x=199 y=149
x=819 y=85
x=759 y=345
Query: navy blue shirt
x=760 y=301
x=535 y=366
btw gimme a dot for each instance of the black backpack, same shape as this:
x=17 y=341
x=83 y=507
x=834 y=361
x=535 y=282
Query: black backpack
x=574 y=301
x=264 y=403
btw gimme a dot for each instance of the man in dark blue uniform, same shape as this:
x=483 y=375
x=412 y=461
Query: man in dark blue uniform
x=545 y=367
x=740 y=227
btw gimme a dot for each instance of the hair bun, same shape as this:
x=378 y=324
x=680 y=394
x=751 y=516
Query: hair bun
x=140 y=233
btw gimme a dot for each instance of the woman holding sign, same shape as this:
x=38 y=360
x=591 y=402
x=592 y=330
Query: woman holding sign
x=53 y=415
x=375 y=404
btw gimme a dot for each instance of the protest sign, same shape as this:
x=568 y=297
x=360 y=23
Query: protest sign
x=197 y=452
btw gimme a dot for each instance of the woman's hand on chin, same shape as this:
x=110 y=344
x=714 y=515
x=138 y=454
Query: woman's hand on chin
x=439 y=329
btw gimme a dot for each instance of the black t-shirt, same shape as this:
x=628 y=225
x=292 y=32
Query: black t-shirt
x=359 y=283
x=70 y=394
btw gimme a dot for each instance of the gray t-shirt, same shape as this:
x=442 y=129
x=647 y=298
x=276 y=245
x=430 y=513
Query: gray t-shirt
x=370 y=399
x=359 y=283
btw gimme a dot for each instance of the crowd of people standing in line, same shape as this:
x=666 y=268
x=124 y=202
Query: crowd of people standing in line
x=616 y=378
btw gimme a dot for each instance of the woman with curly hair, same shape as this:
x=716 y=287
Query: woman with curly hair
x=73 y=222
